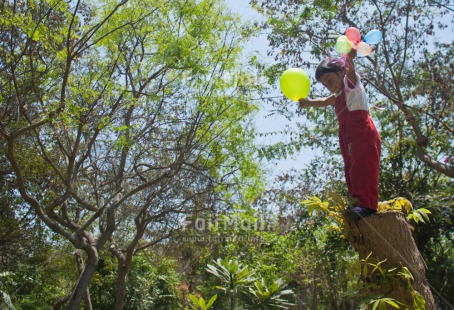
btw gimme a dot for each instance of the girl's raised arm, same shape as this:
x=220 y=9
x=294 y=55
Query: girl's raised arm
x=350 y=68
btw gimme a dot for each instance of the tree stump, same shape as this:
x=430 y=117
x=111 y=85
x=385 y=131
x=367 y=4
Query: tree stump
x=387 y=235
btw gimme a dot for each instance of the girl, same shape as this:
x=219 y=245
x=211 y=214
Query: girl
x=359 y=140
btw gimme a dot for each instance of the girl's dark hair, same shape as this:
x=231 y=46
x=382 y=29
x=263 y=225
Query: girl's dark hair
x=326 y=66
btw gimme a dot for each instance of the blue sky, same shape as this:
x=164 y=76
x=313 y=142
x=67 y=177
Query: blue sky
x=265 y=123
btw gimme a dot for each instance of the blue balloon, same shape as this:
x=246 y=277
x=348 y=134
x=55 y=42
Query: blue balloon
x=373 y=37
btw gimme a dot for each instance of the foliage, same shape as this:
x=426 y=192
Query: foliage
x=396 y=204
x=379 y=274
x=334 y=208
x=236 y=278
x=404 y=205
x=136 y=112
x=381 y=303
x=314 y=255
x=419 y=215
x=37 y=282
x=201 y=304
x=436 y=242
x=268 y=294
x=304 y=251
x=151 y=283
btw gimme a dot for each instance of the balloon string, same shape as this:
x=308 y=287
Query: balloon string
x=273 y=97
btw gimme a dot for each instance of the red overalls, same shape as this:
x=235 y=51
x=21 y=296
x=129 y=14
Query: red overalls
x=360 y=146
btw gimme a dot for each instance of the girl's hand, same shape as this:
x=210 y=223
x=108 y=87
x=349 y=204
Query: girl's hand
x=352 y=53
x=304 y=103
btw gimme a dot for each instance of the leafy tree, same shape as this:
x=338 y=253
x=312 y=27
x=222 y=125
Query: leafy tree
x=36 y=266
x=130 y=114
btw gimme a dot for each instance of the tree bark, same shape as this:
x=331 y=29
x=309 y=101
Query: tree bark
x=80 y=267
x=120 y=295
x=59 y=303
x=6 y=300
x=87 y=300
x=314 y=291
x=81 y=286
x=387 y=235
x=125 y=259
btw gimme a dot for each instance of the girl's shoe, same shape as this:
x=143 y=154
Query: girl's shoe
x=358 y=212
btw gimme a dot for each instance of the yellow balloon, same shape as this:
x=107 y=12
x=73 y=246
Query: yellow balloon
x=342 y=38
x=295 y=84
x=343 y=45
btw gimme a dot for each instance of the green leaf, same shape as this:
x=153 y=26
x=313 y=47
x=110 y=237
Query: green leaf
x=376 y=304
x=212 y=300
x=315 y=204
x=202 y=303
x=424 y=212
x=419 y=301
x=36 y=35
x=122 y=128
x=194 y=299
x=392 y=303
x=418 y=216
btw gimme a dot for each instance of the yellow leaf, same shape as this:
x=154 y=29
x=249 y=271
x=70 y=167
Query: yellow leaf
x=404 y=203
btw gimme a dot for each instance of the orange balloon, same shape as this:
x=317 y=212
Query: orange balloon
x=363 y=49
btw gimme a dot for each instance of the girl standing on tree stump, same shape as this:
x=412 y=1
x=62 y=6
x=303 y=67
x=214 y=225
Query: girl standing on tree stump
x=359 y=140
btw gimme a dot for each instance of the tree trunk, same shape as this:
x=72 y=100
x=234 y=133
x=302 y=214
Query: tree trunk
x=125 y=260
x=80 y=267
x=6 y=300
x=81 y=286
x=120 y=295
x=314 y=291
x=387 y=235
